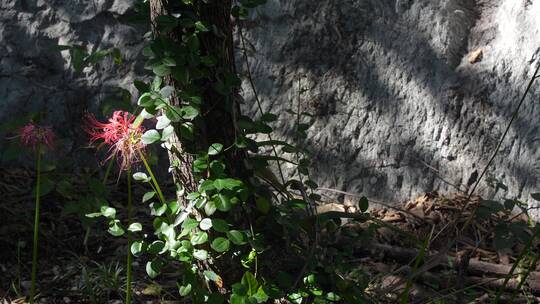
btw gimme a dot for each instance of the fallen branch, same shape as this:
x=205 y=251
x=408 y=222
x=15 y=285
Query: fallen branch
x=490 y=274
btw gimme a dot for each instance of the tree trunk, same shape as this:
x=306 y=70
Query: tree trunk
x=222 y=112
x=219 y=113
x=182 y=163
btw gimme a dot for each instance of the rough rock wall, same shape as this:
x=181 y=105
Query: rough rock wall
x=399 y=108
x=36 y=77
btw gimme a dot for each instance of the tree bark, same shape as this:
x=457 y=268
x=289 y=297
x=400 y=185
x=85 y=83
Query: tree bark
x=181 y=162
x=222 y=112
x=219 y=113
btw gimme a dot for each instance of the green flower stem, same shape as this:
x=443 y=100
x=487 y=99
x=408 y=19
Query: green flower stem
x=36 y=228
x=154 y=180
x=129 y=257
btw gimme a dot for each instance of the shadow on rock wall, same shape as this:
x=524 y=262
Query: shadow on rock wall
x=400 y=110
x=36 y=77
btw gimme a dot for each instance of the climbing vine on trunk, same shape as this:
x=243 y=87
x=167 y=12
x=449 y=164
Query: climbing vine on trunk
x=234 y=231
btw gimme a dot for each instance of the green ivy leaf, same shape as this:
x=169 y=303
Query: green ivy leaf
x=199 y=238
x=223 y=203
x=206 y=224
x=193 y=196
x=363 y=204
x=169 y=61
x=174 y=207
x=237 y=237
x=200 y=254
x=181 y=74
x=150 y=137
x=215 y=149
x=167 y=133
x=158 y=208
x=157 y=247
x=210 y=208
x=148 y=196
x=200 y=165
x=238 y=299
x=162 y=122
x=187 y=131
x=141 y=177
x=220 y=244
x=220 y=225
x=536 y=196
x=190 y=223
x=239 y=289
x=217 y=167
x=161 y=70
x=201 y=27
x=184 y=290
x=135 y=227
x=108 y=212
x=147 y=52
x=250 y=282
x=331 y=296
x=260 y=296
x=189 y=112
x=145 y=100
x=153 y=268
x=115 y=229
x=173 y=113
x=206 y=186
x=136 y=248
x=227 y=183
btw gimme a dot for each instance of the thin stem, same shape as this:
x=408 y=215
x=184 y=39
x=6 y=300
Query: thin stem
x=258 y=101
x=154 y=180
x=468 y=222
x=516 y=264
x=525 y=276
x=36 y=228
x=499 y=144
x=418 y=260
x=129 y=257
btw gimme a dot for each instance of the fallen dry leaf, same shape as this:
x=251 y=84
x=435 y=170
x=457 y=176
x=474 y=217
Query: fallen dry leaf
x=475 y=56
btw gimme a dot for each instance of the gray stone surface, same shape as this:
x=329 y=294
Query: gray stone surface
x=398 y=107
x=34 y=77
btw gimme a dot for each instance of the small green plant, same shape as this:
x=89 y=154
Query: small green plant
x=126 y=144
x=38 y=138
x=16 y=283
x=100 y=281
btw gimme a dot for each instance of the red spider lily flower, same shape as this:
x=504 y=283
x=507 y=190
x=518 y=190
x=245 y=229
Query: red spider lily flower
x=32 y=135
x=120 y=134
x=111 y=131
